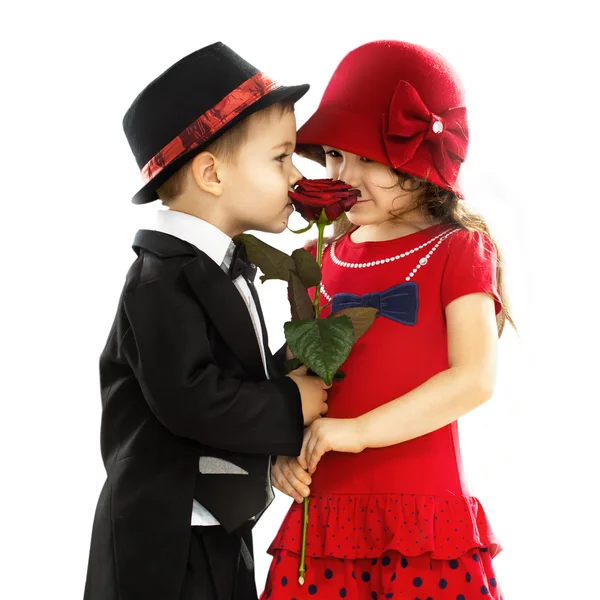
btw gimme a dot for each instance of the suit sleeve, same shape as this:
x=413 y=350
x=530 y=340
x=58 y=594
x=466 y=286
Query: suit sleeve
x=167 y=347
x=279 y=358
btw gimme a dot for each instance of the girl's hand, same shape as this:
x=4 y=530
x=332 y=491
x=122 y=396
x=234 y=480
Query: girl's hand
x=290 y=478
x=288 y=353
x=326 y=435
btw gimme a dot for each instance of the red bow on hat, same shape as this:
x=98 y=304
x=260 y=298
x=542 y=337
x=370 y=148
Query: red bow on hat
x=412 y=131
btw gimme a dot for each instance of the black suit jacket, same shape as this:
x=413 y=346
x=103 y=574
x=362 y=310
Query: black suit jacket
x=182 y=379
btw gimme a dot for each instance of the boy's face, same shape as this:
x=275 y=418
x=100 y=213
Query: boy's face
x=257 y=182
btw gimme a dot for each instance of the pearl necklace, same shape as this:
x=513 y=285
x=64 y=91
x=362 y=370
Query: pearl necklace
x=341 y=263
x=421 y=263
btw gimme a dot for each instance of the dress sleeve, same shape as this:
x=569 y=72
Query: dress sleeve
x=470 y=268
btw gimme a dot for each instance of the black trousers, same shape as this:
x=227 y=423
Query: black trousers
x=220 y=565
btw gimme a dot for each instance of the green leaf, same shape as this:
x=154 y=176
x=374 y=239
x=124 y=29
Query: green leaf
x=362 y=319
x=274 y=263
x=300 y=302
x=291 y=365
x=321 y=344
x=307 y=268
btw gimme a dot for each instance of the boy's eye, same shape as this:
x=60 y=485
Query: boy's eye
x=282 y=157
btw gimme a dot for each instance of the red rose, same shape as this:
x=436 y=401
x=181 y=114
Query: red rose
x=311 y=196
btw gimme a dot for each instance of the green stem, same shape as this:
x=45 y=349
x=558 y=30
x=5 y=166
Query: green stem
x=302 y=569
x=310 y=224
x=321 y=224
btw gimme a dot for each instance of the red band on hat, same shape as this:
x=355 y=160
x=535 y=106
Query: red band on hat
x=206 y=125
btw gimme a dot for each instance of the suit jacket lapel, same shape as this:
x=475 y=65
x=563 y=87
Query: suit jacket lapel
x=217 y=294
x=227 y=311
x=271 y=365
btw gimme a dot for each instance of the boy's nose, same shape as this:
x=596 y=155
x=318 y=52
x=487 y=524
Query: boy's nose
x=295 y=176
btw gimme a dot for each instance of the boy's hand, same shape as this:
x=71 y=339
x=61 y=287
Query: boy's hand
x=312 y=393
x=290 y=478
x=326 y=435
x=288 y=353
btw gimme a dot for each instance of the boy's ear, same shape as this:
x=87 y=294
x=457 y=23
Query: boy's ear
x=205 y=171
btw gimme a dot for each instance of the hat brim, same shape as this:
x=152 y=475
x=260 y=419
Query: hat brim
x=289 y=93
x=329 y=126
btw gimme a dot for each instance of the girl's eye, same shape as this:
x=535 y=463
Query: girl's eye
x=367 y=160
x=333 y=154
x=282 y=157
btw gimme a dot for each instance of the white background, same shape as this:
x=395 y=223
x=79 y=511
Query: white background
x=69 y=72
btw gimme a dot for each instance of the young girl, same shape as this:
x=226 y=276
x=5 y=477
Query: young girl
x=391 y=515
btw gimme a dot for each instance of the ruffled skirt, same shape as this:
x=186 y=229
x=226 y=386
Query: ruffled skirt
x=376 y=546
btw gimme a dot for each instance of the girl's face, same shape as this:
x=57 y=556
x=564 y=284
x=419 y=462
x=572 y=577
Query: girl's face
x=378 y=185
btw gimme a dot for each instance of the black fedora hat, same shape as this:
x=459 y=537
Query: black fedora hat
x=190 y=105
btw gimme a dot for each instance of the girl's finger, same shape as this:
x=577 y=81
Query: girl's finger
x=302 y=457
x=288 y=489
x=295 y=483
x=317 y=453
x=277 y=483
x=310 y=452
x=299 y=472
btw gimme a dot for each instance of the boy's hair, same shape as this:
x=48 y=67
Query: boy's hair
x=226 y=148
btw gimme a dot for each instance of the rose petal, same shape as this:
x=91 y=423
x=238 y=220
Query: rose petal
x=311 y=196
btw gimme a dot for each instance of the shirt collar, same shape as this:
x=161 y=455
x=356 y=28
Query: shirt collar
x=205 y=236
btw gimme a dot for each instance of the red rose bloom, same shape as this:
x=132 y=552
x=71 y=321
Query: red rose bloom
x=311 y=196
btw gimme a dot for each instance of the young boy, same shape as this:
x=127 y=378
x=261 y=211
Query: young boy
x=194 y=404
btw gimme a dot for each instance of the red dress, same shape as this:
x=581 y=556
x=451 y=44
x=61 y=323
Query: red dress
x=396 y=522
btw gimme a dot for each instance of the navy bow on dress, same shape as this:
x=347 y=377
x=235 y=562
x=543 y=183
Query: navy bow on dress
x=398 y=303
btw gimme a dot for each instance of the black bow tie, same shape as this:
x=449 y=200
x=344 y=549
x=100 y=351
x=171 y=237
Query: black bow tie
x=240 y=264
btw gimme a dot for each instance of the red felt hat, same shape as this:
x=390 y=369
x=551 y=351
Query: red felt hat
x=398 y=104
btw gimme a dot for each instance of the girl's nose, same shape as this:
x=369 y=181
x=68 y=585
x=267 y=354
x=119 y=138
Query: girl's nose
x=350 y=173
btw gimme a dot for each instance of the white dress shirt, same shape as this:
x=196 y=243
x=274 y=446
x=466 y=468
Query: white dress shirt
x=219 y=247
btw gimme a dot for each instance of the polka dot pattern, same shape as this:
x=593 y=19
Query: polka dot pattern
x=367 y=525
x=391 y=576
